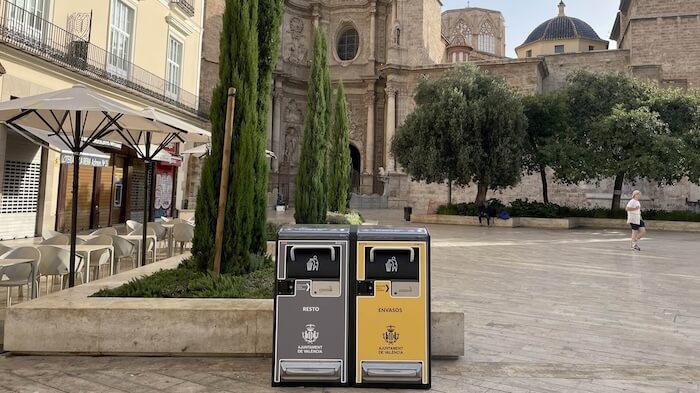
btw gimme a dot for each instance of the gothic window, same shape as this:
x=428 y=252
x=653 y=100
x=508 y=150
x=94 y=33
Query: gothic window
x=348 y=44
x=487 y=39
x=461 y=34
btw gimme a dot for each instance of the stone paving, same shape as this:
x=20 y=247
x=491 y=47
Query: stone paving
x=546 y=311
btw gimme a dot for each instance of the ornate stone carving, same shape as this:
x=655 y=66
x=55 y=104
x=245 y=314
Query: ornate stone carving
x=297 y=52
x=292 y=113
x=357 y=134
x=291 y=148
x=461 y=34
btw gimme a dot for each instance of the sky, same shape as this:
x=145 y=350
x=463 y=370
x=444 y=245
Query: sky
x=522 y=16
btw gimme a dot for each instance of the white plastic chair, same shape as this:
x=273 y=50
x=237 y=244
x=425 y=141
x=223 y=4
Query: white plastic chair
x=183 y=233
x=99 y=257
x=18 y=275
x=4 y=248
x=123 y=249
x=105 y=231
x=133 y=225
x=48 y=234
x=58 y=240
x=150 y=244
x=55 y=262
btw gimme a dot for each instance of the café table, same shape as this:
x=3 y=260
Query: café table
x=169 y=227
x=4 y=263
x=136 y=240
x=87 y=250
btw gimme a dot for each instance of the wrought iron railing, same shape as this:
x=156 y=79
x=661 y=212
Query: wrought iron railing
x=185 y=5
x=27 y=31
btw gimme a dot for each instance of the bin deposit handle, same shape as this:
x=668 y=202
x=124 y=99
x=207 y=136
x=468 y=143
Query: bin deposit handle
x=371 y=252
x=310 y=247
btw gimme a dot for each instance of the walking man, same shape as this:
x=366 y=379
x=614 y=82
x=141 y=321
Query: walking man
x=634 y=218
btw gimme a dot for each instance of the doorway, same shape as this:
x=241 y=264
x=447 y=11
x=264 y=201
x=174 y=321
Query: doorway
x=356 y=168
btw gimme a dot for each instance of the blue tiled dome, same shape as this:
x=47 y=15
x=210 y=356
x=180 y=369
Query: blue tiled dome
x=562 y=27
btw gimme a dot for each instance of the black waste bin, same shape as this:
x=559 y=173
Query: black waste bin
x=311 y=306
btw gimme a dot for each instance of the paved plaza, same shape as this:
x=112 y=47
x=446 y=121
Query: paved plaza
x=545 y=311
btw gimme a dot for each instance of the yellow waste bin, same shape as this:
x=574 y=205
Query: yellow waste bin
x=392 y=307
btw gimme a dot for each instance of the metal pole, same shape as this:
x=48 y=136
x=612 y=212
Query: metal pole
x=147 y=178
x=74 y=203
x=223 y=191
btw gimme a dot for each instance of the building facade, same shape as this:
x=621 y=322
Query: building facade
x=143 y=53
x=380 y=49
x=663 y=38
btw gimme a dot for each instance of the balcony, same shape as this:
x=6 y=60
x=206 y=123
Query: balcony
x=184 y=5
x=24 y=30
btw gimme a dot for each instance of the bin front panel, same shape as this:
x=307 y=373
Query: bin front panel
x=392 y=322
x=311 y=324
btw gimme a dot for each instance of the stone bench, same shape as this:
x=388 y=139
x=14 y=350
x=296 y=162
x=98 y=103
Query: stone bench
x=71 y=322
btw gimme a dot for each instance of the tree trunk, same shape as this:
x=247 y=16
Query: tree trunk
x=545 y=191
x=482 y=189
x=617 y=194
x=449 y=191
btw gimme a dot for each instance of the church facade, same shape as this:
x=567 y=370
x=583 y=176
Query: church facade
x=380 y=49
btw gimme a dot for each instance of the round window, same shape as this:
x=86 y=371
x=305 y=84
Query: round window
x=348 y=44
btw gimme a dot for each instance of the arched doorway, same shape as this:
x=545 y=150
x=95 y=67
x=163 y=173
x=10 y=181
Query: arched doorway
x=356 y=167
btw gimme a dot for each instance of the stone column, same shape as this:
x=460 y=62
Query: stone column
x=316 y=13
x=390 y=128
x=276 y=125
x=369 y=143
x=372 y=24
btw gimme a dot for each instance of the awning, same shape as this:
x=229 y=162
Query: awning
x=89 y=157
x=205 y=148
x=164 y=156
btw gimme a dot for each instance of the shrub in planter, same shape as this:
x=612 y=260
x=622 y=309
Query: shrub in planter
x=352 y=218
x=187 y=281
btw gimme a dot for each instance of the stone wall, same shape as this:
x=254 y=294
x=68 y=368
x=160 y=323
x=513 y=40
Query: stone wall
x=560 y=66
x=663 y=34
x=421 y=195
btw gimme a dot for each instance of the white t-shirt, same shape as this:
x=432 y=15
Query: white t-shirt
x=635 y=216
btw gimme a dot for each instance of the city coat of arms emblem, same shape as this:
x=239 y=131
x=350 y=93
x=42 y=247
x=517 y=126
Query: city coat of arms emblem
x=391 y=335
x=310 y=334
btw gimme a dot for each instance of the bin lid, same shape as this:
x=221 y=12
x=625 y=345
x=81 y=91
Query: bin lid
x=310 y=232
x=371 y=232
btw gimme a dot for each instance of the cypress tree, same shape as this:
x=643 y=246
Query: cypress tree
x=310 y=198
x=328 y=92
x=339 y=157
x=269 y=19
x=238 y=68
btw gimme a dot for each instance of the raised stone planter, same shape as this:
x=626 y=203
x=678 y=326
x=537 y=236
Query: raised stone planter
x=71 y=322
x=548 y=223
x=557 y=223
x=462 y=220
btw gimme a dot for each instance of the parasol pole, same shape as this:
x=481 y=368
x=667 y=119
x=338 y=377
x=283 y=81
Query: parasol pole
x=146 y=205
x=223 y=191
x=74 y=202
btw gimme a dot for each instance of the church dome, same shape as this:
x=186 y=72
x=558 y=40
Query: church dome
x=562 y=27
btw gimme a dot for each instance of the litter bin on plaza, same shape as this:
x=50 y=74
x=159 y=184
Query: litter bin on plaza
x=392 y=307
x=311 y=306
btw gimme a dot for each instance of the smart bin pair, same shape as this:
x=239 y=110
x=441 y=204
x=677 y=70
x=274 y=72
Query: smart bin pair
x=352 y=307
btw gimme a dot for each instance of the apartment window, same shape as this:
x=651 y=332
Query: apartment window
x=26 y=17
x=559 y=49
x=121 y=30
x=528 y=53
x=173 y=74
x=487 y=40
